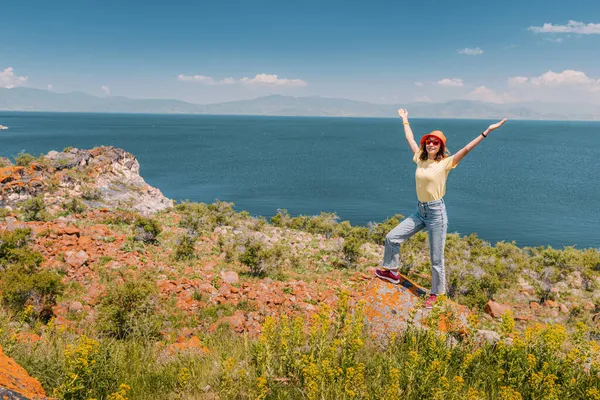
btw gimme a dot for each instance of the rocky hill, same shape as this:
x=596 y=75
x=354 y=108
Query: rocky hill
x=101 y=177
x=103 y=270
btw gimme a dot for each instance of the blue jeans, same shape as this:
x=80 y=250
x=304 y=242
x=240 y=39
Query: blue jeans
x=430 y=215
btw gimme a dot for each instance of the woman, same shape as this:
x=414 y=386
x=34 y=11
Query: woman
x=433 y=165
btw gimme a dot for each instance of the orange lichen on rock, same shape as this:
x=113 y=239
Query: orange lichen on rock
x=15 y=378
x=388 y=306
x=183 y=344
x=10 y=173
x=391 y=308
x=28 y=337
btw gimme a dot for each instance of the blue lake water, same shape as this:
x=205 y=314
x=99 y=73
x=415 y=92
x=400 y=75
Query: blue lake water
x=532 y=182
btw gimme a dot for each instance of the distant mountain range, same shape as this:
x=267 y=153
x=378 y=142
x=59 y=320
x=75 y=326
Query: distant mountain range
x=28 y=99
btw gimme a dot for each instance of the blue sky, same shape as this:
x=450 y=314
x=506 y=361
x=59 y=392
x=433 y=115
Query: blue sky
x=378 y=51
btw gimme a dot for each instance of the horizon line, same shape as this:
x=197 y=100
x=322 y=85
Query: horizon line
x=291 y=116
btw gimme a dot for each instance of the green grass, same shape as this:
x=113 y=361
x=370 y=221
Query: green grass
x=332 y=357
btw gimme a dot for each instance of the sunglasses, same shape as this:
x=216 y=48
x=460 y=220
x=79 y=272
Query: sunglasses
x=435 y=142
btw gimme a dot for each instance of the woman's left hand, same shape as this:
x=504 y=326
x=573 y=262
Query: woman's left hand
x=496 y=125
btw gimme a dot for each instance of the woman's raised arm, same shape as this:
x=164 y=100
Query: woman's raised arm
x=465 y=150
x=410 y=138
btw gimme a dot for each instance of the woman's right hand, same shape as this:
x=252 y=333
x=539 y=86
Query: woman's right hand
x=403 y=113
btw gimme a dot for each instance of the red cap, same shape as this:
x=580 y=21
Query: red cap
x=437 y=134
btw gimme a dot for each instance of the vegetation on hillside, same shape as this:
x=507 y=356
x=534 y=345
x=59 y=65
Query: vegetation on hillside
x=124 y=346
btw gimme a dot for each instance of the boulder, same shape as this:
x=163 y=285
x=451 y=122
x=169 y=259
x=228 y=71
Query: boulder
x=5 y=162
x=71 y=230
x=391 y=308
x=76 y=260
x=235 y=322
x=496 y=310
x=550 y=304
x=230 y=277
x=488 y=336
x=16 y=383
x=76 y=307
x=575 y=280
x=108 y=172
x=187 y=345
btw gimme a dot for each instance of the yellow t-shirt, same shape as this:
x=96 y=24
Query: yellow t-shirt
x=431 y=177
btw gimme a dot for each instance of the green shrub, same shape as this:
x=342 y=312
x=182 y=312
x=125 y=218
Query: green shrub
x=4 y=212
x=120 y=217
x=146 y=230
x=103 y=260
x=87 y=373
x=34 y=209
x=200 y=217
x=254 y=257
x=259 y=224
x=282 y=219
x=351 y=250
x=359 y=232
x=5 y=162
x=378 y=231
x=33 y=293
x=75 y=206
x=544 y=282
x=14 y=250
x=11 y=240
x=260 y=260
x=328 y=224
x=194 y=218
x=471 y=290
x=185 y=249
x=343 y=229
x=91 y=194
x=24 y=159
x=222 y=212
x=128 y=310
x=324 y=223
x=227 y=246
x=24 y=287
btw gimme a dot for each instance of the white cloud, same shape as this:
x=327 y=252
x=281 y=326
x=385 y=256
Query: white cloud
x=456 y=82
x=571 y=27
x=568 y=86
x=567 y=77
x=9 y=80
x=260 y=79
x=268 y=79
x=106 y=90
x=482 y=93
x=470 y=52
x=517 y=80
x=419 y=83
x=423 y=99
x=50 y=87
x=207 y=80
